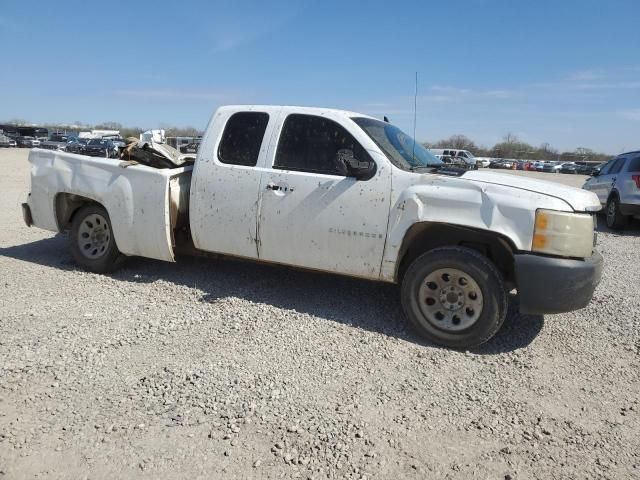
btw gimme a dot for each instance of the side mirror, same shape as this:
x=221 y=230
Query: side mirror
x=595 y=173
x=349 y=165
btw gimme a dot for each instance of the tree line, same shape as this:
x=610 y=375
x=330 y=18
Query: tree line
x=512 y=147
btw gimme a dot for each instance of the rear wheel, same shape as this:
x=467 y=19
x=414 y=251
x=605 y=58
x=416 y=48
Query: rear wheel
x=454 y=296
x=92 y=243
x=615 y=219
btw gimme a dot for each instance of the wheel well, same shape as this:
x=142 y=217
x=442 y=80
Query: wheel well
x=614 y=193
x=67 y=204
x=426 y=236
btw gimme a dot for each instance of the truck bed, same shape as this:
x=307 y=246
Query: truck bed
x=145 y=204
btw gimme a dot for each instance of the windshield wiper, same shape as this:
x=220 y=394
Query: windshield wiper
x=448 y=169
x=419 y=167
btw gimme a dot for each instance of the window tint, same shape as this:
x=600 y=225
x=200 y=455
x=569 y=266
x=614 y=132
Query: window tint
x=311 y=144
x=617 y=166
x=242 y=138
x=634 y=164
x=607 y=166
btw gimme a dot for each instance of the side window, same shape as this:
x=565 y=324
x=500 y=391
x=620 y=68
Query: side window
x=607 y=166
x=617 y=166
x=634 y=164
x=310 y=144
x=242 y=138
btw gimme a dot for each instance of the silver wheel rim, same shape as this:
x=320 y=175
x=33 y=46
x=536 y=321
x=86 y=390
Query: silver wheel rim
x=611 y=212
x=450 y=299
x=94 y=236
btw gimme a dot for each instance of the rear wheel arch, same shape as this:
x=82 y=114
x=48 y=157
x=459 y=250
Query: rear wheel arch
x=67 y=205
x=425 y=236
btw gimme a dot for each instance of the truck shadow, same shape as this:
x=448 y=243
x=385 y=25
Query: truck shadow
x=358 y=303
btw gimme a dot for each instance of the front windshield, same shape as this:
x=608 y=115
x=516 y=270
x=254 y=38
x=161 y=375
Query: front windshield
x=96 y=142
x=402 y=150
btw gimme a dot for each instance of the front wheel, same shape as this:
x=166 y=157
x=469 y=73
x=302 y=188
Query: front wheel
x=615 y=219
x=454 y=296
x=92 y=243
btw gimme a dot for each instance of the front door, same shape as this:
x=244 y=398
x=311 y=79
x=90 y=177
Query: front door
x=601 y=185
x=312 y=214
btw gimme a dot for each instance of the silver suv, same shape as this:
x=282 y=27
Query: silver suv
x=617 y=185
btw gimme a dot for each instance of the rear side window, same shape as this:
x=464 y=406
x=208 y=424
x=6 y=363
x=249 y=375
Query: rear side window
x=634 y=164
x=242 y=138
x=310 y=143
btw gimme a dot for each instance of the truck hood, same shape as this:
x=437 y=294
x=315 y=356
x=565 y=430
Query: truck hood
x=579 y=200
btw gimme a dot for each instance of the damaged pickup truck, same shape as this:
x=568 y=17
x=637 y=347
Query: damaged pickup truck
x=338 y=192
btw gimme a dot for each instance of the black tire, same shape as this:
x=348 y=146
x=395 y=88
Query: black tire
x=614 y=217
x=100 y=255
x=486 y=277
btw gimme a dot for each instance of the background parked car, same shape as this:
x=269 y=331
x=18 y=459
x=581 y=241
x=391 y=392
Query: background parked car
x=98 y=147
x=483 y=162
x=7 y=142
x=76 y=145
x=569 y=167
x=117 y=141
x=27 y=142
x=552 y=167
x=617 y=185
x=57 y=141
x=591 y=170
x=584 y=168
x=190 y=147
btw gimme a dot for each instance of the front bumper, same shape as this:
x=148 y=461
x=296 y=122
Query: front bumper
x=95 y=153
x=556 y=285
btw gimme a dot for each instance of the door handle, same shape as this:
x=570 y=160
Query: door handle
x=274 y=187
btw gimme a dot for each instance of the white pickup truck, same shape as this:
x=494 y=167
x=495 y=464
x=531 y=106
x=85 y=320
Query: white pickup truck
x=338 y=192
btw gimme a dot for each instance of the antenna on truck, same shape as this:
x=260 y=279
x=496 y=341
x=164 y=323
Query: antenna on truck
x=415 y=110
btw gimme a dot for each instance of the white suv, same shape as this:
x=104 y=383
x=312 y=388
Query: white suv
x=617 y=185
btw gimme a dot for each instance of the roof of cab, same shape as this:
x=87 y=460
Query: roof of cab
x=298 y=109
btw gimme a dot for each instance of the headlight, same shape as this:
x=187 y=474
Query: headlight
x=563 y=233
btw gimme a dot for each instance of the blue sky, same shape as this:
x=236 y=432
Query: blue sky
x=565 y=72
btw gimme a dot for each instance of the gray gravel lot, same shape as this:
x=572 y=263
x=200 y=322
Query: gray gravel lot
x=222 y=369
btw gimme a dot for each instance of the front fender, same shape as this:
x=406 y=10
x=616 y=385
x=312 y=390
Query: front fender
x=507 y=211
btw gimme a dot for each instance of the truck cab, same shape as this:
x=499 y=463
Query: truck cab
x=340 y=192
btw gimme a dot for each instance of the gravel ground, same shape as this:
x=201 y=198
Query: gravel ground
x=222 y=369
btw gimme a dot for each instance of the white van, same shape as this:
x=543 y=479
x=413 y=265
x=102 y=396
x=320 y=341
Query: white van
x=456 y=155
